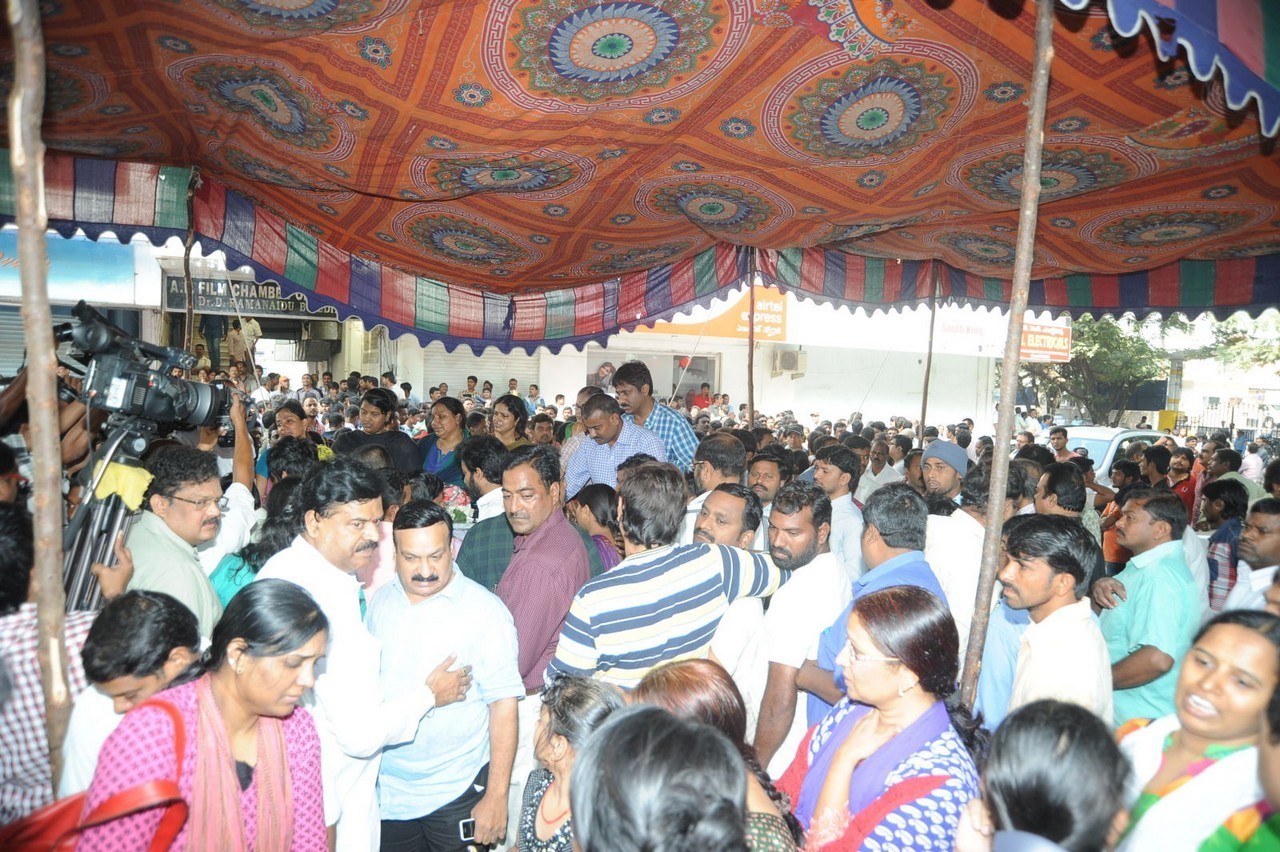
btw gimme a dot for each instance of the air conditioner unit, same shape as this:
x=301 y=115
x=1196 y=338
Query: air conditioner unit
x=802 y=364
x=789 y=360
x=322 y=330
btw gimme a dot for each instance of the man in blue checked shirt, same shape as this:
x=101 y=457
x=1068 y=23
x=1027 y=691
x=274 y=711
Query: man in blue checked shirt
x=634 y=385
x=611 y=441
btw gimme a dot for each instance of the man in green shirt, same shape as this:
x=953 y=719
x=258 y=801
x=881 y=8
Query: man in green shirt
x=1156 y=611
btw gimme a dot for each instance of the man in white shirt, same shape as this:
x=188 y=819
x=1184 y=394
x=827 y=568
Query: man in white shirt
x=482 y=458
x=458 y=766
x=879 y=472
x=1063 y=655
x=270 y=386
x=720 y=458
x=953 y=543
x=943 y=466
x=340 y=504
x=1260 y=547
x=835 y=470
x=819 y=588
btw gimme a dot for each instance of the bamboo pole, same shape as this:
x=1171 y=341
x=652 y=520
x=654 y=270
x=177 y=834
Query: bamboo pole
x=928 y=355
x=1029 y=206
x=26 y=154
x=751 y=345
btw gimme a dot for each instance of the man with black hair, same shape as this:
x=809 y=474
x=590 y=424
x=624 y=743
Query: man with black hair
x=139 y=643
x=26 y=775
x=1260 y=551
x=663 y=601
x=612 y=440
x=879 y=471
x=1225 y=505
x=1058 y=443
x=818 y=588
x=1225 y=465
x=340 y=505
x=183 y=510
x=769 y=470
x=1154 y=464
x=377 y=416
x=720 y=458
x=482 y=458
x=458 y=765
x=542 y=429
x=953 y=546
x=1149 y=621
x=1063 y=655
x=634 y=386
x=835 y=471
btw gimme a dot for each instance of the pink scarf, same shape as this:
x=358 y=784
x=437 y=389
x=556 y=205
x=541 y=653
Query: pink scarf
x=216 y=821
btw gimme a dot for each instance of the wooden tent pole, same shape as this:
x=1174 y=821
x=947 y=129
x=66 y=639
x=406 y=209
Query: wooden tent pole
x=1009 y=372
x=928 y=355
x=751 y=344
x=26 y=155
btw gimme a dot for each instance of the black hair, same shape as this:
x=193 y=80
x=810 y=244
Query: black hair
x=1037 y=453
x=175 y=466
x=1230 y=456
x=293 y=407
x=372 y=456
x=899 y=514
x=1267 y=506
x=1165 y=506
x=1066 y=482
x=633 y=461
x=1026 y=475
x=634 y=373
x=752 y=511
x=273 y=617
x=544 y=460
x=1031 y=779
x=486 y=454
x=725 y=453
x=515 y=406
x=1058 y=430
x=420 y=514
x=1264 y=624
x=776 y=454
x=281 y=527
x=797 y=495
x=749 y=444
x=1185 y=452
x=577 y=706
x=1159 y=457
x=381 y=399
x=1129 y=468
x=389 y=376
x=841 y=457
x=653 y=505
x=648 y=781
x=292 y=458
x=1062 y=542
x=975 y=488
x=134 y=634
x=452 y=405
x=17 y=557
x=600 y=403
x=341 y=481
x=1234 y=497
x=911 y=625
x=602 y=501
x=903 y=443
x=423 y=485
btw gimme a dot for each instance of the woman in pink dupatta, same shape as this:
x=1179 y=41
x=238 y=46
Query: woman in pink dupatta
x=250 y=769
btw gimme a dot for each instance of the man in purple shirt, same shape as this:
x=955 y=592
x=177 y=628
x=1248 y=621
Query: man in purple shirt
x=550 y=564
x=894 y=522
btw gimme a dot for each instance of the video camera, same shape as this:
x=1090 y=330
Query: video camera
x=134 y=379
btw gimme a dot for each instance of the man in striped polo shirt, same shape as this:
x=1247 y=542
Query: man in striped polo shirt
x=663 y=601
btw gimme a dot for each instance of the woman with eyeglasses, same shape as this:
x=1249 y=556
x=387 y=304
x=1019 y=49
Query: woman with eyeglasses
x=894 y=760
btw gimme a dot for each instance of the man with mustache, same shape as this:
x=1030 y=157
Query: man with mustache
x=770 y=469
x=458 y=766
x=720 y=458
x=1260 y=549
x=339 y=506
x=550 y=563
x=819 y=587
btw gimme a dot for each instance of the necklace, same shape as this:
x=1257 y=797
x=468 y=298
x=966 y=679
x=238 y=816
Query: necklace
x=542 y=808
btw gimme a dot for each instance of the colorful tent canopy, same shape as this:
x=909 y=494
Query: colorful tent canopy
x=543 y=172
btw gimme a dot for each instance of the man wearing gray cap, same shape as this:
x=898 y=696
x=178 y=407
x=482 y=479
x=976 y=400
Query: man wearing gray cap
x=943 y=466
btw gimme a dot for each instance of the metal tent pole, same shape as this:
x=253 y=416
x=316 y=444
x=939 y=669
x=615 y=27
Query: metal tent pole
x=1029 y=206
x=26 y=154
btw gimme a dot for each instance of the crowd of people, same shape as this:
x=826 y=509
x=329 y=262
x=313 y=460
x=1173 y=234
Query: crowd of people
x=357 y=619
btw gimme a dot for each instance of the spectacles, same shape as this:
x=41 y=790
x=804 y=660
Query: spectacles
x=855 y=657
x=202 y=505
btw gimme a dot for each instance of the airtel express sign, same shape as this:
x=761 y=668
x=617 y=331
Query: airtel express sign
x=221 y=296
x=1045 y=343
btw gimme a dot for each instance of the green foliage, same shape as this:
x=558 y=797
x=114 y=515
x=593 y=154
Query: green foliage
x=1109 y=360
x=1247 y=343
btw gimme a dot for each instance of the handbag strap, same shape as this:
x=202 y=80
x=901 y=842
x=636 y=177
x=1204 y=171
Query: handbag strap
x=151 y=794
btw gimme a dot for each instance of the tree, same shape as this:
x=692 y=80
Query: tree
x=1245 y=343
x=1109 y=361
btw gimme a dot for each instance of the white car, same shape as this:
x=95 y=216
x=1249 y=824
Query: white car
x=1103 y=444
